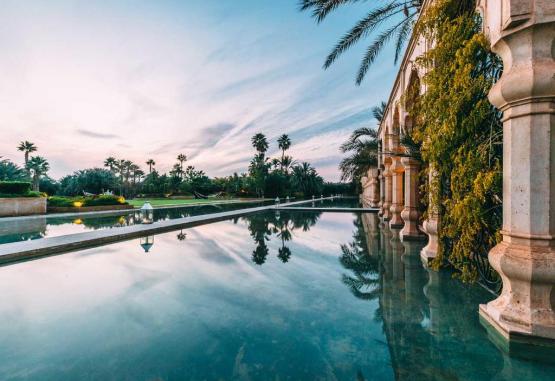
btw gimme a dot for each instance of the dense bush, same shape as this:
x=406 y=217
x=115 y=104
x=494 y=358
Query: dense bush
x=95 y=180
x=11 y=172
x=15 y=187
x=104 y=200
x=61 y=201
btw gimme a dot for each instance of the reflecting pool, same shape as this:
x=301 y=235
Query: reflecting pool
x=52 y=226
x=270 y=296
x=346 y=202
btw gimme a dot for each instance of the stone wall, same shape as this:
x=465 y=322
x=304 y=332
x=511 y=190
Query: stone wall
x=22 y=206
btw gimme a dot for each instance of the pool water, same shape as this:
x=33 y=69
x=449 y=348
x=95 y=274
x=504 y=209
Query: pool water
x=52 y=226
x=345 y=202
x=270 y=296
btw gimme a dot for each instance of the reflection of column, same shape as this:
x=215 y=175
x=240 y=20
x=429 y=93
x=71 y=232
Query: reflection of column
x=410 y=212
x=374 y=193
x=397 y=201
x=382 y=192
x=386 y=214
x=525 y=259
x=371 y=228
x=397 y=250
x=431 y=225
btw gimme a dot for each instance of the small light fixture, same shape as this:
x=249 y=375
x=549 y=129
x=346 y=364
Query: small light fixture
x=287 y=199
x=277 y=201
x=147 y=213
x=77 y=204
x=147 y=243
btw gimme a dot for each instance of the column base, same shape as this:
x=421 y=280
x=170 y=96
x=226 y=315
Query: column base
x=516 y=342
x=429 y=252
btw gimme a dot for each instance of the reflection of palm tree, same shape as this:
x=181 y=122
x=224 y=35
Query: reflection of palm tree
x=260 y=253
x=262 y=226
x=364 y=281
x=181 y=236
x=284 y=253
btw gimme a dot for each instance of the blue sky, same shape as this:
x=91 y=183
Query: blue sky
x=150 y=79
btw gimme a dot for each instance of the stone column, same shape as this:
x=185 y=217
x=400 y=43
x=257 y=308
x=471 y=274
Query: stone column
x=388 y=192
x=431 y=226
x=397 y=201
x=382 y=192
x=522 y=32
x=374 y=192
x=410 y=212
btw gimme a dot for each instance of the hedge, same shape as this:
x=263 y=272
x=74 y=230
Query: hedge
x=15 y=187
x=60 y=201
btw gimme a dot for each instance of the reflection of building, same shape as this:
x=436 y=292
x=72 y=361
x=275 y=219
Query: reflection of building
x=522 y=33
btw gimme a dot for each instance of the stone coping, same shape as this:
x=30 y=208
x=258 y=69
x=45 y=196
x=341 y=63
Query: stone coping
x=26 y=250
x=85 y=209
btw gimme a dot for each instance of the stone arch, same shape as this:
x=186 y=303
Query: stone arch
x=412 y=93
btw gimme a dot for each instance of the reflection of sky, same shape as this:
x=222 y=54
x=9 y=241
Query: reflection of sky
x=140 y=79
x=201 y=309
x=193 y=302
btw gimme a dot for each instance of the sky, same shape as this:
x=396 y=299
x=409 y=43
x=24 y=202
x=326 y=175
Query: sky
x=140 y=79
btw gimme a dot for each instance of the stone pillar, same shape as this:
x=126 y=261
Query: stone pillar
x=374 y=186
x=388 y=192
x=410 y=212
x=397 y=200
x=522 y=32
x=382 y=192
x=431 y=225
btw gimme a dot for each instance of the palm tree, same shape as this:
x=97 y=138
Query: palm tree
x=260 y=143
x=378 y=112
x=286 y=163
x=150 y=163
x=111 y=163
x=394 y=18
x=181 y=158
x=283 y=143
x=363 y=143
x=38 y=166
x=27 y=147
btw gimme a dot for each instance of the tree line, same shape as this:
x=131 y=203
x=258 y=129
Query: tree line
x=281 y=176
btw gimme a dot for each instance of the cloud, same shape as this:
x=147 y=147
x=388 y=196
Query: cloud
x=97 y=135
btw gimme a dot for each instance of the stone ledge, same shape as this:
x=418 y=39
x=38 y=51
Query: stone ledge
x=22 y=206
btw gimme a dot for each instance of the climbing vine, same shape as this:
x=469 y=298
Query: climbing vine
x=460 y=133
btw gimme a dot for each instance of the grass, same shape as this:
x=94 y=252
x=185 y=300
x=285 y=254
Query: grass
x=138 y=202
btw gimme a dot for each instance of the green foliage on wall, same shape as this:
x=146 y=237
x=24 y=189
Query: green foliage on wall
x=460 y=133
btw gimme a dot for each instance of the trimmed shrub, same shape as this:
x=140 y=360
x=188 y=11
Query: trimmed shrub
x=104 y=200
x=15 y=187
x=60 y=201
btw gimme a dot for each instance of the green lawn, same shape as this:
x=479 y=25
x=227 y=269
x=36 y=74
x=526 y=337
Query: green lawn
x=137 y=203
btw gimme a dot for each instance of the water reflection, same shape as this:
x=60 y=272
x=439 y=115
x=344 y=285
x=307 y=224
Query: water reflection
x=40 y=227
x=429 y=319
x=262 y=226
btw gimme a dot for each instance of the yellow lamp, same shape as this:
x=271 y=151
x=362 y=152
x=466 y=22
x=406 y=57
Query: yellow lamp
x=77 y=204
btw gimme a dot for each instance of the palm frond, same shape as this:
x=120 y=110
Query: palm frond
x=378 y=112
x=362 y=29
x=402 y=35
x=374 y=49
